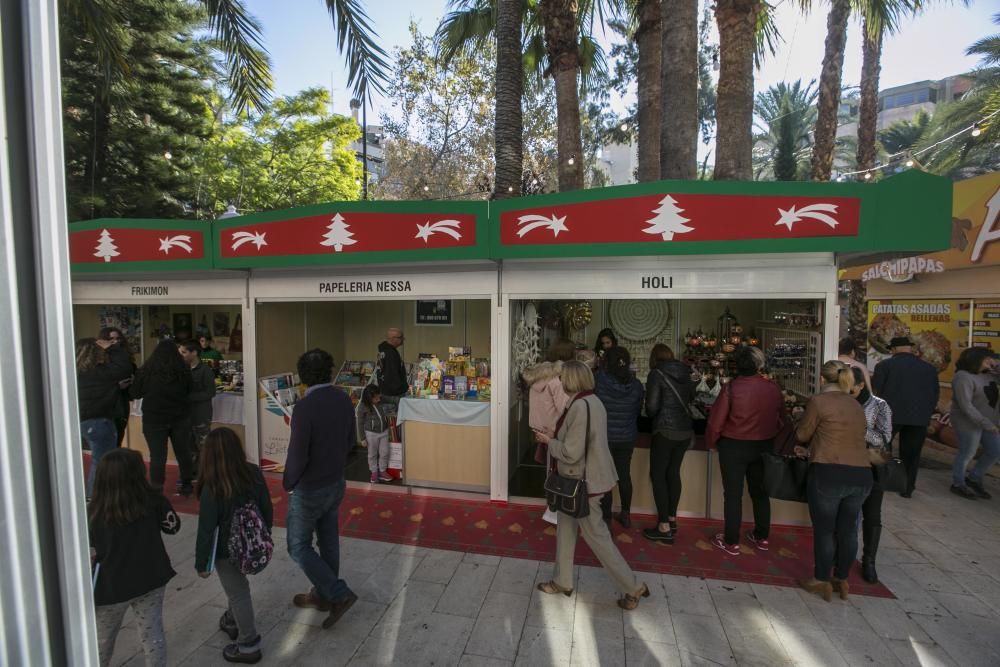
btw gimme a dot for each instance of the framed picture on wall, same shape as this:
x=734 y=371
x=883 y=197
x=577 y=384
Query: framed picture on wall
x=182 y=326
x=436 y=313
x=159 y=321
x=220 y=324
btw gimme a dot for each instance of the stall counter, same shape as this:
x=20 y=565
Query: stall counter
x=446 y=443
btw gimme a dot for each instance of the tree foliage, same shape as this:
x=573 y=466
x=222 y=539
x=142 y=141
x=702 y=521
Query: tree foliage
x=294 y=153
x=786 y=117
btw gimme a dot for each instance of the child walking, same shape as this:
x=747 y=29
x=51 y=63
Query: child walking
x=126 y=521
x=373 y=428
x=227 y=482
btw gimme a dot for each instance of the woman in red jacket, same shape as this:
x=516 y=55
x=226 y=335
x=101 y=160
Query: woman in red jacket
x=742 y=424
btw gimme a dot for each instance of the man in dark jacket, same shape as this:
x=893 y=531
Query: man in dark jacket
x=322 y=436
x=390 y=371
x=202 y=393
x=910 y=386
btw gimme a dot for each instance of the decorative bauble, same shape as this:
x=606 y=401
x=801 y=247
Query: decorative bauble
x=712 y=342
x=753 y=342
x=735 y=340
x=639 y=319
x=728 y=348
x=715 y=363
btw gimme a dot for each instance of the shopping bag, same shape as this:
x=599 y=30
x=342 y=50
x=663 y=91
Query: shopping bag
x=890 y=476
x=395 y=468
x=785 y=441
x=785 y=477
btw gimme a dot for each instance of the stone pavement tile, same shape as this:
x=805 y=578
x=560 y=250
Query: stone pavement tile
x=497 y=632
x=738 y=607
x=467 y=590
x=643 y=653
x=990 y=566
x=651 y=619
x=688 y=595
x=984 y=587
x=516 y=576
x=937 y=552
x=888 y=619
x=438 y=639
x=127 y=646
x=410 y=549
x=894 y=556
x=481 y=559
x=385 y=583
x=595 y=586
x=960 y=640
x=961 y=604
x=757 y=646
x=834 y=614
x=810 y=646
x=784 y=606
x=701 y=639
x=862 y=647
x=912 y=597
x=479 y=661
x=363 y=555
x=920 y=654
x=594 y=650
x=542 y=647
x=185 y=635
x=890 y=541
x=413 y=602
x=311 y=645
x=930 y=577
x=598 y=635
x=551 y=612
x=438 y=566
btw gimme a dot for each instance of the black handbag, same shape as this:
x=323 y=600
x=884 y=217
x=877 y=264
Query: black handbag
x=890 y=476
x=785 y=477
x=567 y=495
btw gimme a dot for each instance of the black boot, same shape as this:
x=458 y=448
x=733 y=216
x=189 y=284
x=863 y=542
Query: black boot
x=871 y=538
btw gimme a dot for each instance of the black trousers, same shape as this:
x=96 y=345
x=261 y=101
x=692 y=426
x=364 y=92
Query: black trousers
x=911 y=442
x=871 y=522
x=180 y=434
x=621 y=454
x=121 y=424
x=665 y=459
x=739 y=460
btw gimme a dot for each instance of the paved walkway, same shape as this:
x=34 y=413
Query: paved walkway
x=940 y=556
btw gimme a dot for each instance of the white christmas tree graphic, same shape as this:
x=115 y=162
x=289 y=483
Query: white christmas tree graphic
x=668 y=220
x=106 y=247
x=338 y=234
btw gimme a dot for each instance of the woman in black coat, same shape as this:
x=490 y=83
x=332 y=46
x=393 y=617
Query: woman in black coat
x=164 y=385
x=100 y=366
x=621 y=395
x=668 y=394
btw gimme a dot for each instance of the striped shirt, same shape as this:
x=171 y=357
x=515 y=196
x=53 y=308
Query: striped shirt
x=878 y=415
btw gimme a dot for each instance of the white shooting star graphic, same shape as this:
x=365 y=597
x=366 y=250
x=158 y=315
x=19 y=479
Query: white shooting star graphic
x=449 y=227
x=182 y=241
x=533 y=221
x=242 y=238
x=815 y=211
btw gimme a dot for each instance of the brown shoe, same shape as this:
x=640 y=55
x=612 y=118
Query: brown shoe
x=840 y=586
x=552 y=588
x=631 y=600
x=310 y=600
x=338 y=608
x=822 y=588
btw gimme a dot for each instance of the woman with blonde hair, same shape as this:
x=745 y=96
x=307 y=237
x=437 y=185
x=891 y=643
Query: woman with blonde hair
x=840 y=477
x=580 y=449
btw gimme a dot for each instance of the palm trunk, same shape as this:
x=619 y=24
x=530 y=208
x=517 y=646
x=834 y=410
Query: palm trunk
x=829 y=90
x=649 y=43
x=868 y=112
x=679 y=89
x=737 y=20
x=561 y=44
x=509 y=124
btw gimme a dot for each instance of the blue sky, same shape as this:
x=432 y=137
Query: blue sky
x=300 y=37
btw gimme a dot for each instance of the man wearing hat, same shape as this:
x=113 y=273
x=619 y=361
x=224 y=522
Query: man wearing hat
x=910 y=386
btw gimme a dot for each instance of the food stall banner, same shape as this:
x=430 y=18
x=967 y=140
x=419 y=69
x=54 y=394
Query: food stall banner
x=354 y=233
x=939 y=330
x=133 y=245
x=986 y=325
x=975 y=237
x=906 y=212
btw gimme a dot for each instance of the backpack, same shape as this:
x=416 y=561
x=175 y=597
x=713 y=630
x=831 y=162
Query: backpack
x=250 y=543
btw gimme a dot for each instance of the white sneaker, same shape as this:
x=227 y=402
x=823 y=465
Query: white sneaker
x=550 y=516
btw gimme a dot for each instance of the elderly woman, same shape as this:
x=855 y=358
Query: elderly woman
x=840 y=477
x=580 y=448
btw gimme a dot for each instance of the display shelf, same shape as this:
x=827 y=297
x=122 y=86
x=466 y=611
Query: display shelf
x=794 y=358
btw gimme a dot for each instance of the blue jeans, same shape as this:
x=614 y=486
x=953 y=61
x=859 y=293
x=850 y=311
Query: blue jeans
x=834 y=507
x=317 y=511
x=968 y=444
x=102 y=436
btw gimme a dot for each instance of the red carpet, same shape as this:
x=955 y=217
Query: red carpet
x=518 y=531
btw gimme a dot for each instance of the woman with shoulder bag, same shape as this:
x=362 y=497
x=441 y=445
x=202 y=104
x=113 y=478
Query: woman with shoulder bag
x=742 y=424
x=580 y=449
x=668 y=394
x=878 y=439
x=840 y=477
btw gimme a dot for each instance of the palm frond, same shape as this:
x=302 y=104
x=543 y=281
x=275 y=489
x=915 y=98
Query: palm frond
x=766 y=37
x=468 y=27
x=367 y=64
x=247 y=63
x=593 y=64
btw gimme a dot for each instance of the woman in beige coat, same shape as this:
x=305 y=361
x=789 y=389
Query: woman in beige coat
x=583 y=453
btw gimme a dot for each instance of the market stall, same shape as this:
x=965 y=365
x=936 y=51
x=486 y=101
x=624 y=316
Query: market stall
x=337 y=277
x=154 y=279
x=701 y=267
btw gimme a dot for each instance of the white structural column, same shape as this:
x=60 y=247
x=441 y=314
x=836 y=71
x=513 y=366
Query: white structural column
x=45 y=597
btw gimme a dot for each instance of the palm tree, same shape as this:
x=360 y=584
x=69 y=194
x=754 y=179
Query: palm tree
x=829 y=89
x=679 y=89
x=649 y=42
x=239 y=35
x=560 y=21
x=508 y=142
x=787 y=114
x=901 y=135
